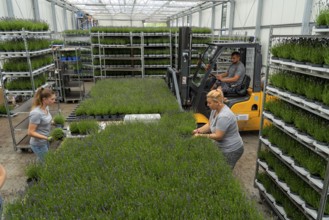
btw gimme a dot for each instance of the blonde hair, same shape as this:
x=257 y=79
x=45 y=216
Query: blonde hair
x=216 y=95
x=40 y=95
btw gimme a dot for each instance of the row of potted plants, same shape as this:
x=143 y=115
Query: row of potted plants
x=17 y=45
x=280 y=198
x=84 y=127
x=21 y=64
x=311 y=124
x=197 y=30
x=25 y=83
x=17 y=24
x=312 y=51
x=97 y=72
x=313 y=88
x=109 y=97
x=305 y=157
x=136 y=171
x=3 y=110
x=296 y=184
x=76 y=32
x=157 y=71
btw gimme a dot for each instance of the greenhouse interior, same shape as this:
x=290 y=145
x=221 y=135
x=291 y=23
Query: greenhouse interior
x=164 y=109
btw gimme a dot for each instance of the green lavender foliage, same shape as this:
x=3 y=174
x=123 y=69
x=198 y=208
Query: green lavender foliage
x=311 y=124
x=57 y=133
x=135 y=171
x=129 y=96
x=280 y=198
x=295 y=183
x=305 y=157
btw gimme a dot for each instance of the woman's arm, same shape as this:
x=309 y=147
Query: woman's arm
x=32 y=132
x=204 y=129
x=3 y=175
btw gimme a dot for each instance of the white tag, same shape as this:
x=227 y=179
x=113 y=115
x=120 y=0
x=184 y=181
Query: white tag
x=242 y=117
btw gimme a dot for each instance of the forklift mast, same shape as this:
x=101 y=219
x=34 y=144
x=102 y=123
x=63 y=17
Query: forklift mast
x=184 y=61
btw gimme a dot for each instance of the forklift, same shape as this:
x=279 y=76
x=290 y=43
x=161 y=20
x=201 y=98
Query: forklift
x=191 y=89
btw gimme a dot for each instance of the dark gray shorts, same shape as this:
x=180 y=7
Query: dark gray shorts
x=234 y=156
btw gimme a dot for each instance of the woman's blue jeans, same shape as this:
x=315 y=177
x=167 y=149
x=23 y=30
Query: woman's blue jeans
x=40 y=151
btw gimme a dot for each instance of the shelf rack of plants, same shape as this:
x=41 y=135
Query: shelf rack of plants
x=158 y=53
x=27 y=62
x=117 y=54
x=200 y=38
x=73 y=88
x=81 y=39
x=293 y=150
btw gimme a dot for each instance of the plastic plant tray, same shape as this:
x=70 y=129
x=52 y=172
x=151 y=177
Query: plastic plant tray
x=290 y=129
x=270 y=197
x=278 y=122
x=272 y=174
x=284 y=186
x=297 y=199
x=305 y=138
x=281 y=210
x=260 y=186
x=301 y=170
x=288 y=159
x=324 y=110
x=268 y=115
x=296 y=98
x=322 y=147
x=316 y=181
x=311 y=104
x=275 y=149
x=263 y=164
x=265 y=141
x=274 y=90
x=312 y=212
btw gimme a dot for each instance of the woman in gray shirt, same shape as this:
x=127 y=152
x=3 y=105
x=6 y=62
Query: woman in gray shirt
x=40 y=122
x=222 y=128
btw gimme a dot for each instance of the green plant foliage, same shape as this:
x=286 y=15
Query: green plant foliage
x=33 y=171
x=305 y=122
x=3 y=109
x=21 y=65
x=135 y=171
x=59 y=119
x=76 y=32
x=25 y=83
x=84 y=127
x=57 y=134
x=321 y=19
x=295 y=183
x=15 y=24
x=280 y=198
x=314 y=163
x=129 y=96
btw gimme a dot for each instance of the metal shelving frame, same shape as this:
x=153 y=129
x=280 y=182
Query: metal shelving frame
x=69 y=79
x=21 y=142
x=102 y=57
x=80 y=38
x=322 y=187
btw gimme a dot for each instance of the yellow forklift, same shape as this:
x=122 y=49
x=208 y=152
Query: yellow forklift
x=191 y=88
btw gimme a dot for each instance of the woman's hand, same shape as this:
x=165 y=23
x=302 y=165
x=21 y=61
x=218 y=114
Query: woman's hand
x=196 y=131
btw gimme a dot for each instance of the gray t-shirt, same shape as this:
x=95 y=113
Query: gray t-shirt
x=237 y=69
x=43 y=122
x=226 y=121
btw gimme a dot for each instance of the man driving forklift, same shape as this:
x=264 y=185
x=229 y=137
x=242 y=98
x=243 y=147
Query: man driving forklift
x=231 y=81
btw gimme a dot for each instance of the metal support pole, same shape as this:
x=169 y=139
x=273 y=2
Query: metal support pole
x=307 y=17
x=176 y=22
x=53 y=13
x=8 y=113
x=183 y=20
x=65 y=17
x=231 y=22
x=213 y=16
x=36 y=11
x=259 y=18
x=10 y=9
x=74 y=24
x=200 y=17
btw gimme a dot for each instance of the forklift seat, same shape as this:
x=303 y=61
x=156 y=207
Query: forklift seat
x=243 y=91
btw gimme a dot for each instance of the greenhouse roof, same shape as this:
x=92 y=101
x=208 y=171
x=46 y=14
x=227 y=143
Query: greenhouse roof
x=146 y=10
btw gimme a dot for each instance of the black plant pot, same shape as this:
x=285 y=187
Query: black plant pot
x=321 y=26
x=98 y=117
x=326 y=66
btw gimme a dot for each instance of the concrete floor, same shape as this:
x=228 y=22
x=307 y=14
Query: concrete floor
x=15 y=162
